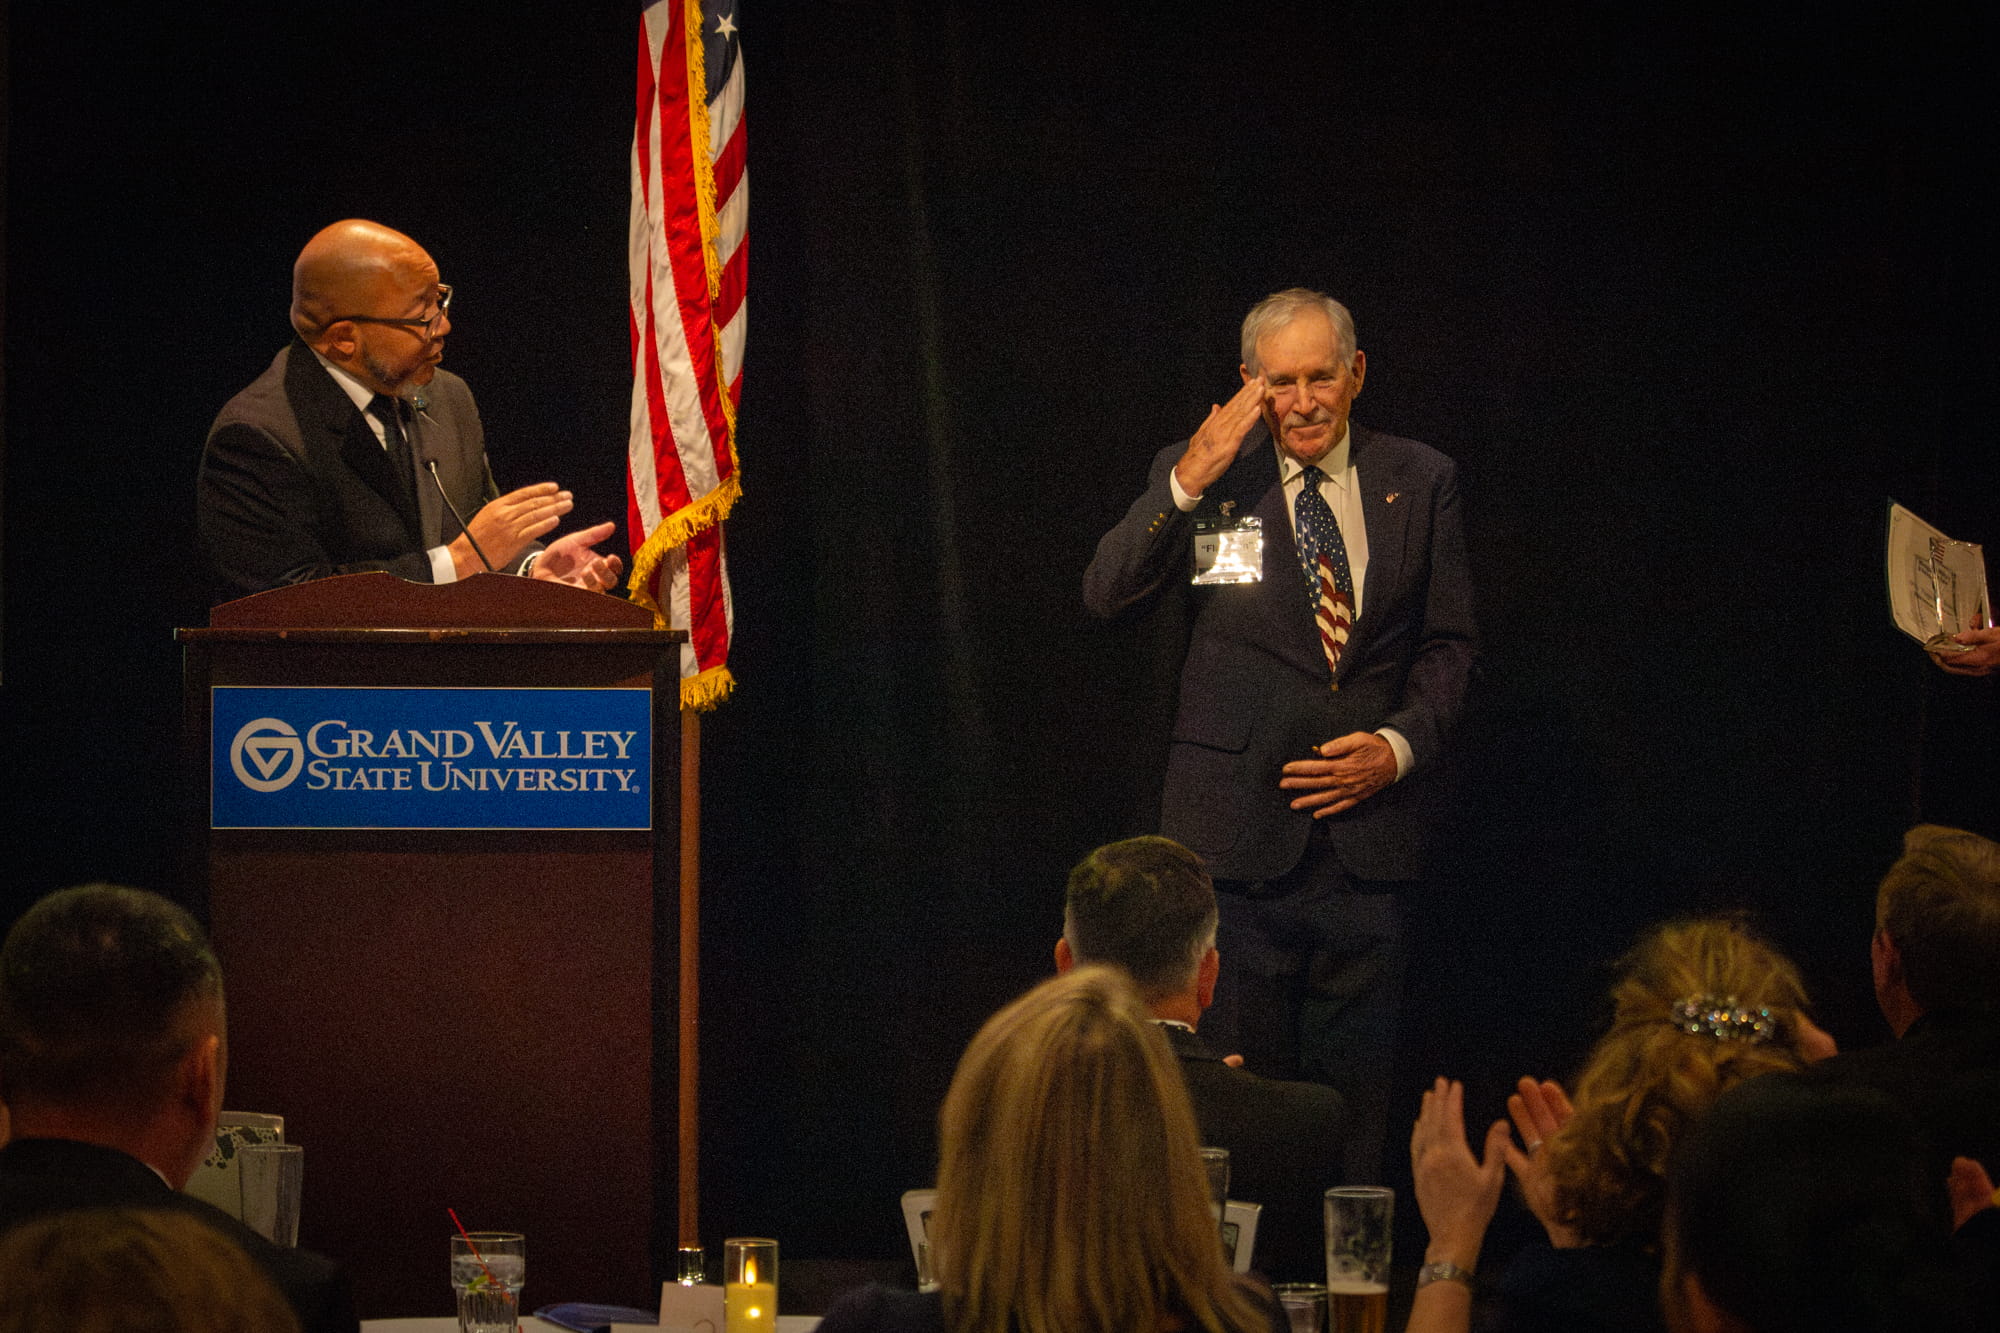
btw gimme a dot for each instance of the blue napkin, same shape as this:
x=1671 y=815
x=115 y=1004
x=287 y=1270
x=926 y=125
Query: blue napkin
x=582 y=1318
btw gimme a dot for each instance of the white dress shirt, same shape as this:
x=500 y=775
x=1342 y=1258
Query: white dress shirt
x=442 y=568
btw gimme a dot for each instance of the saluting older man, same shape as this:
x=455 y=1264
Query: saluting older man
x=1331 y=647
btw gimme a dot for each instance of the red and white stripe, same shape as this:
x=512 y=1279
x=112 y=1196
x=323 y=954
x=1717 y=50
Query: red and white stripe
x=1334 y=615
x=688 y=258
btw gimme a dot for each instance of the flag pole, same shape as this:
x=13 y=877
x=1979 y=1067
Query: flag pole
x=690 y=978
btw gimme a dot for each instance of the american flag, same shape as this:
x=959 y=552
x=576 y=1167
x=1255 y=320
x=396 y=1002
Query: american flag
x=688 y=259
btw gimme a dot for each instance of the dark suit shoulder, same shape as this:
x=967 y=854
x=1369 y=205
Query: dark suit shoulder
x=1398 y=461
x=1366 y=439
x=1260 y=1101
x=1935 y=1049
x=40 y=1177
x=267 y=404
x=1945 y=1071
x=445 y=384
x=1267 y=1120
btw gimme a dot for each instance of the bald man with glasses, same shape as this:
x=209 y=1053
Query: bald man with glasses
x=355 y=452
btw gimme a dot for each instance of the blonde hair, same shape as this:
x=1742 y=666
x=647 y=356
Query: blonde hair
x=1071 y=1196
x=1649 y=1078
x=113 y=1270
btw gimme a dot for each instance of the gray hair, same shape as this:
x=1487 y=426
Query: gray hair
x=1278 y=309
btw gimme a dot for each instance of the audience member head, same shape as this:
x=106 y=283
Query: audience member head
x=1937 y=926
x=1145 y=905
x=1797 y=1206
x=367 y=298
x=1070 y=1187
x=106 y=1270
x=111 y=1026
x=1698 y=1007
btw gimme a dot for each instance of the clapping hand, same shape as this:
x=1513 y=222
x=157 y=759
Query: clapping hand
x=1456 y=1192
x=1970 y=1188
x=1538 y=1110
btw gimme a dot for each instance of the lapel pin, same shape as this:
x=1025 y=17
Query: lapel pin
x=1229 y=508
x=1390 y=498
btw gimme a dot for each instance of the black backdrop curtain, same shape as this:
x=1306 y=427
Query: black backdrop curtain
x=1688 y=292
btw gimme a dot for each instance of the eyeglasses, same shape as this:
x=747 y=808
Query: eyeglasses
x=428 y=325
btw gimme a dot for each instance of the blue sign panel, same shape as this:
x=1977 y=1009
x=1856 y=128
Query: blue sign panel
x=430 y=759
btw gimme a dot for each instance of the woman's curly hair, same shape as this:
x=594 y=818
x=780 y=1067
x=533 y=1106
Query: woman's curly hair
x=1650 y=1077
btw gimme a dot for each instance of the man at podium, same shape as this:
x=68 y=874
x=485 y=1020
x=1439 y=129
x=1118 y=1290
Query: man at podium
x=355 y=452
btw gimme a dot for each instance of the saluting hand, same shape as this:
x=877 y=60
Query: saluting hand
x=1215 y=446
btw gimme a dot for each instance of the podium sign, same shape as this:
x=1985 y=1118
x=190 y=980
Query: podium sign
x=437 y=828
x=425 y=758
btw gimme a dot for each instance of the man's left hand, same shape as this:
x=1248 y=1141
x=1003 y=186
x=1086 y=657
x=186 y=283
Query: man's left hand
x=1349 y=770
x=571 y=560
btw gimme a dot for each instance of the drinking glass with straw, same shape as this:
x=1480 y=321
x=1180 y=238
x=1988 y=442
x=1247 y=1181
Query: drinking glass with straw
x=487 y=1270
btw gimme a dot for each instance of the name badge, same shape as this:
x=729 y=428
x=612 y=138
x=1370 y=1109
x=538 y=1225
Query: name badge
x=1228 y=550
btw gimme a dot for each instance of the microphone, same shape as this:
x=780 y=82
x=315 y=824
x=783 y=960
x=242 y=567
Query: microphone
x=420 y=403
x=431 y=466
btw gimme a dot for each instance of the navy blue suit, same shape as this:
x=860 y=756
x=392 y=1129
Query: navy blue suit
x=1311 y=943
x=1255 y=690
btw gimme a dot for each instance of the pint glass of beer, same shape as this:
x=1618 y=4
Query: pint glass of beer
x=1357 y=1258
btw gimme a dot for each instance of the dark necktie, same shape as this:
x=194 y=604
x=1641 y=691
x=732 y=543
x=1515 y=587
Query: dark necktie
x=389 y=411
x=1323 y=555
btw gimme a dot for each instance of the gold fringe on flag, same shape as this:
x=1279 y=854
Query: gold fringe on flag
x=676 y=530
x=702 y=693
x=708 y=688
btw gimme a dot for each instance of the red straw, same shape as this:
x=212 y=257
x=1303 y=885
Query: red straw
x=470 y=1246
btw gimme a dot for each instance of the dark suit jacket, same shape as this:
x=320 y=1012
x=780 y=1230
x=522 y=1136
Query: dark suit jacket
x=1255 y=690
x=43 y=1176
x=295 y=486
x=1946 y=1072
x=1284 y=1144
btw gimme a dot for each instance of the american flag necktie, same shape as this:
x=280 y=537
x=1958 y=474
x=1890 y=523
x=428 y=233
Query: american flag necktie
x=1323 y=556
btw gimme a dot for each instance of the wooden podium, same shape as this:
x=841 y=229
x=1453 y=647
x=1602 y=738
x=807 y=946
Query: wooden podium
x=473 y=1018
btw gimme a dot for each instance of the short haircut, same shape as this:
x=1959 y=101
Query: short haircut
x=1145 y=905
x=96 y=984
x=1278 y=309
x=1940 y=905
x=1803 y=1205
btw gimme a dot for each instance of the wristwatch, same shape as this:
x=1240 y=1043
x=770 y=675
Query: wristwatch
x=1442 y=1272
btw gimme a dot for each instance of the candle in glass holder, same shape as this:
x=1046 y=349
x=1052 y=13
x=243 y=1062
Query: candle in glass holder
x=750 y=1285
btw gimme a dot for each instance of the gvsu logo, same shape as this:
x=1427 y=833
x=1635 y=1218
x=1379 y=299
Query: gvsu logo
x=266 y=754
